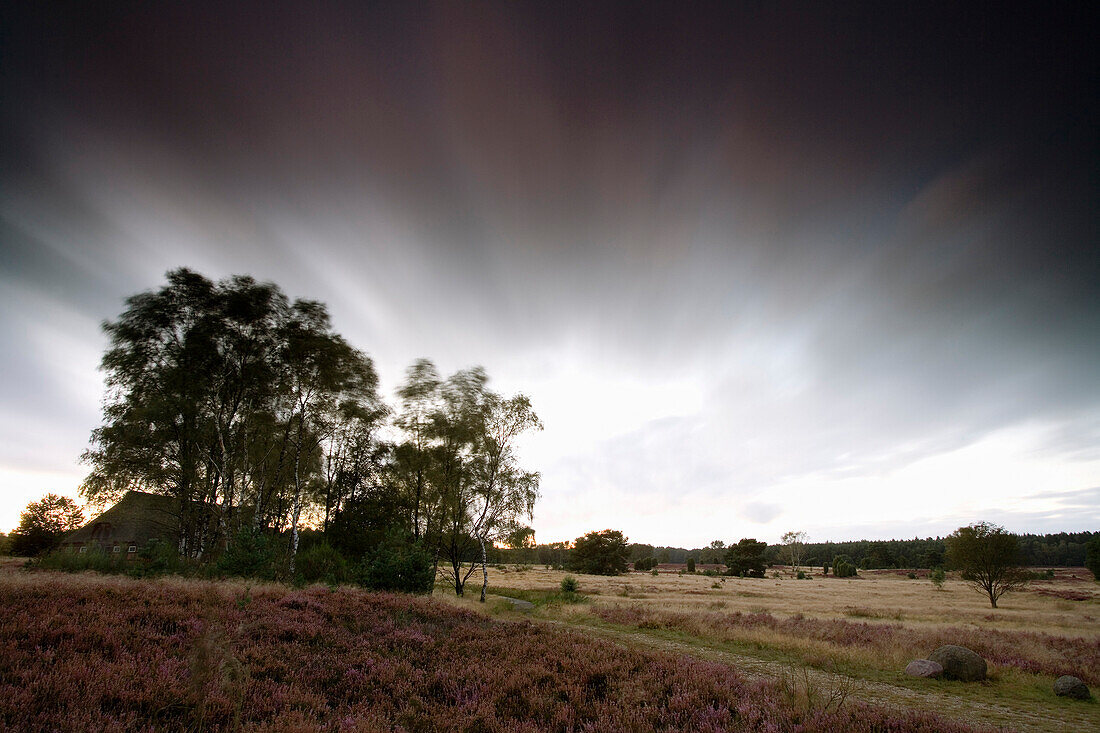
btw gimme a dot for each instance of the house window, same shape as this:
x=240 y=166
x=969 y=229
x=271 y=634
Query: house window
x=133 y=548
x=83 y=549
x=117 y=549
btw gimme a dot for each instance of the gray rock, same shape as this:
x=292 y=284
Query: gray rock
x=923 y=668
x=1069 y=686
x=959 y=663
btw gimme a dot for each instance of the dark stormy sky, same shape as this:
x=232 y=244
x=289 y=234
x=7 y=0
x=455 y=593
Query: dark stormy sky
x=760 y=266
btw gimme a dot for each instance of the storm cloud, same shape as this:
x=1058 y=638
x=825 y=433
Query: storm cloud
x=743 y=258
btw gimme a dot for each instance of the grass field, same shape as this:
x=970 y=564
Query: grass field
x=859 y=632
x=107 y=653
x=633 y=653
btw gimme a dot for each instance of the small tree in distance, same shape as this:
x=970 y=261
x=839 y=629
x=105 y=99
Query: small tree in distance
x=600 y=553
x=988 y=558
x=793 y=544
x=938 y=577
x=43 y=523
x=746 y=558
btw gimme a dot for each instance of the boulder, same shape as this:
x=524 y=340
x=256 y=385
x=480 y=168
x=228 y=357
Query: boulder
x=1069 y=686
x=959 y=663
x=923 y=668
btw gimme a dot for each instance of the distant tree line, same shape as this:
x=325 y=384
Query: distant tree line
x=1063 y=549
x=263 y=421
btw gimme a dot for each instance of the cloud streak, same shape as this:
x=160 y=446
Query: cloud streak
x=739 y=259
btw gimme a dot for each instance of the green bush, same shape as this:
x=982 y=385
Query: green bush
x=843 y=567
x=398 y=564
x=251 y=554
x=569 y=584
x=801 y=575
x=75 y=562
x=691 y=565
x=938 y=577
x=321 y=563
x=1092 y=555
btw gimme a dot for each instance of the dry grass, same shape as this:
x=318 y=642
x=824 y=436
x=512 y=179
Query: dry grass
x=876 y=597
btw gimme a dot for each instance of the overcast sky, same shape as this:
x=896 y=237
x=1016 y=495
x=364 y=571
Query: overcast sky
x=760 y=267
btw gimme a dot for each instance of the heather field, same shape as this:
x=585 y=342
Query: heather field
x=89 y=652
x=863 y=630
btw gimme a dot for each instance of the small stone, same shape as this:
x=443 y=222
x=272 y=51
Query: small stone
x=923 y=668
x=1070 y=686
x=960 y=663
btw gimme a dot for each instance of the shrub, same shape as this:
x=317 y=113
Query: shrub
x=644 y=564
x=569 y=584
x=322 y=563
x=251 y=554
x=938 y=577
x=746 y=558
x=843 y=567
x=691 y=565
x=654 y=572
x=911 y=575
x=398 y=564
x=76 y=562
x=801 y=575
x=1092 y=555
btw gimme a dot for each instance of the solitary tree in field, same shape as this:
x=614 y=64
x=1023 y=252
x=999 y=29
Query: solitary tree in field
x=746 y=558
x=988 y=557
x=43 y=523
x=793 y=545
x=600 y=553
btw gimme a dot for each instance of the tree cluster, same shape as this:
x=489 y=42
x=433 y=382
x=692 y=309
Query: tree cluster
x=600 y=553
x=259 y=418
x=43 y=523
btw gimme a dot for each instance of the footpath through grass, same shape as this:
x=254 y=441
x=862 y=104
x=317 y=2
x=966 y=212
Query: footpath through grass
x=770 y=648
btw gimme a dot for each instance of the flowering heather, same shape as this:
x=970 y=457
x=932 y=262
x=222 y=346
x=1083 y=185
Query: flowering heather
x=891 y=643
x=82 y=653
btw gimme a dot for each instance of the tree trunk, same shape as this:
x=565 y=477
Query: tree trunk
x=484 y=570
x=297 y=511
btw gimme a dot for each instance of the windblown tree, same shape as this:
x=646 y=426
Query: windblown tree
x=458 y=469
x=220 y=394
x=325 y=383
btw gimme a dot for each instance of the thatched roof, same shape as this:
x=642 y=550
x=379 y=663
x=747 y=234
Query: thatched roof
x=137 y=518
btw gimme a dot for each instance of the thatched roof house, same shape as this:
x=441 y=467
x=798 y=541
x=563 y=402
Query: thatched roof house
x=129 y=525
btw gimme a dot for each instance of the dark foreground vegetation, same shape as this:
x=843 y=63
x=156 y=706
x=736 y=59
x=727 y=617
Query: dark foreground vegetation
x=89 y=652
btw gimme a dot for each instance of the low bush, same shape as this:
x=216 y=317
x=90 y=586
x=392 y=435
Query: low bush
x=569 y=584
x=397 y=564
x=251 y=554
x=322 y=563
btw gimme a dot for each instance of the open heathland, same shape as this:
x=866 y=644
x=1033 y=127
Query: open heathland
x=864 y=629
x=89 y=652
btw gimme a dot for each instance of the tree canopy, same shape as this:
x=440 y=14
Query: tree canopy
x=257 y=416
x=43 y=523
x=746 y=558
x=600 y=553
x=988 y=557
